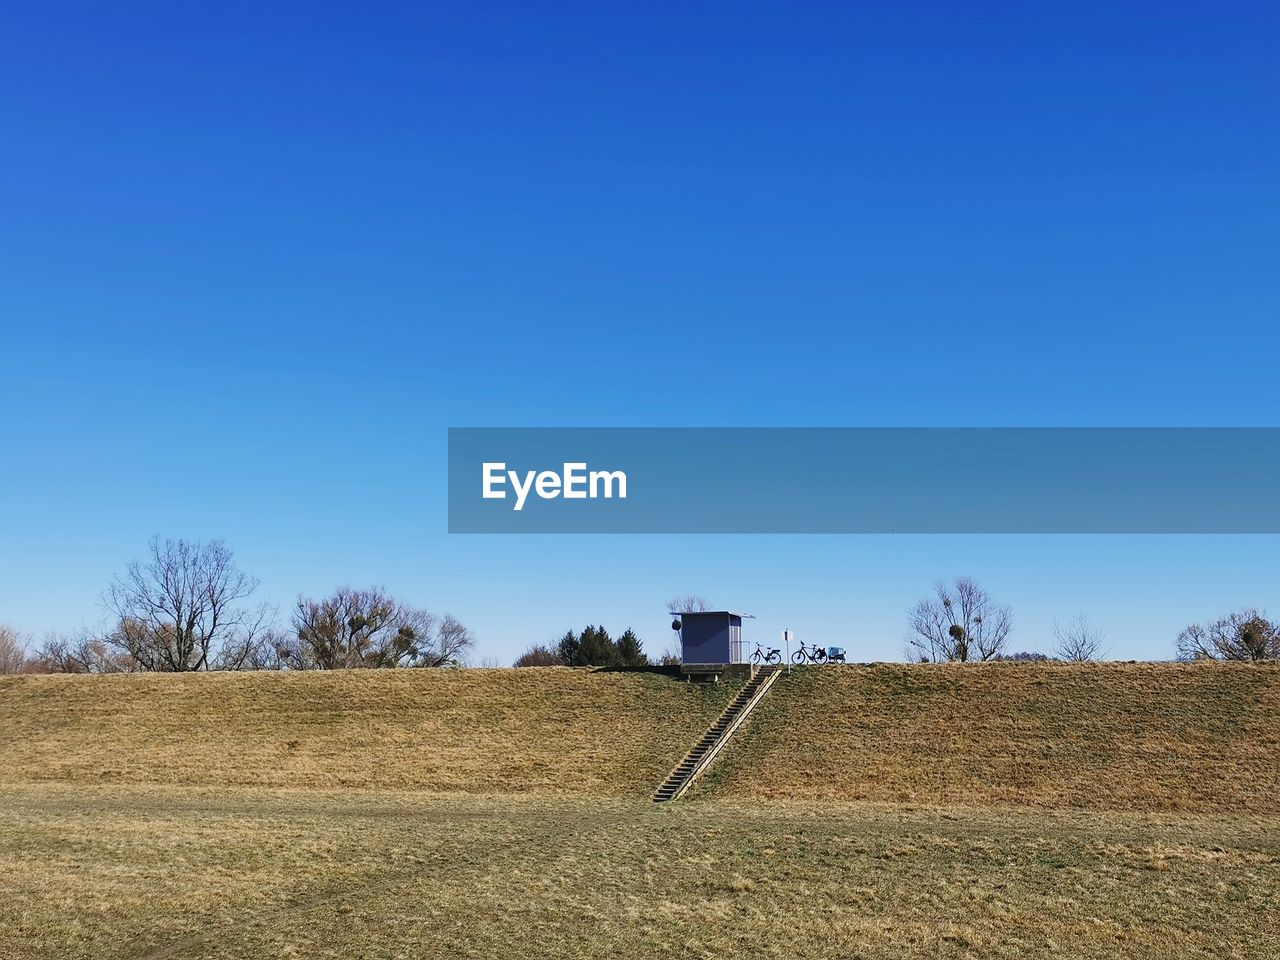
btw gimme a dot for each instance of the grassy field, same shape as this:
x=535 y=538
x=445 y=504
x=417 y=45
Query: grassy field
x=549 y=730
x=868 y=812
x=1196 y=737
x=160 y=872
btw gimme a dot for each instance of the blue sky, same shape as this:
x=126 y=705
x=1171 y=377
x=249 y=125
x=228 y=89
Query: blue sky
x=254 y=261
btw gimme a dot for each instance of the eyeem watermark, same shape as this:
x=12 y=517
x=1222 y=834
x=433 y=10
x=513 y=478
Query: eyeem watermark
x=864 y=480
x=573 y=482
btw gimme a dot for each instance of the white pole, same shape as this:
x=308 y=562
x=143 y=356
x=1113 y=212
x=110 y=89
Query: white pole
x=786 y=642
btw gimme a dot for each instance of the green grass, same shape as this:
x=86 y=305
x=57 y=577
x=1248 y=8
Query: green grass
x=111 y=873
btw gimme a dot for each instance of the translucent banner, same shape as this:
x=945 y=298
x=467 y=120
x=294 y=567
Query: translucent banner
x=864 y=480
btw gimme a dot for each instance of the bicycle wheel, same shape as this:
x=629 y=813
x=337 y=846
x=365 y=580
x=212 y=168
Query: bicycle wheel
x=798 y=657
x=755 y=657
x=775 y=656
x=819 y=655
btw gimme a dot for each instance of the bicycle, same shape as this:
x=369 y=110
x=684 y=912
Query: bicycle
x=809 y=654
x=770 y=655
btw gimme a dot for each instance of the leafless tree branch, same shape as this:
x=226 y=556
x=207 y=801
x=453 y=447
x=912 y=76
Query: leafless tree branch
x=13 y=651
x=1078 y=641
x=180 y=609
x=689 y=603
x=1243 y=635
x=370 y=628
x=959 y=623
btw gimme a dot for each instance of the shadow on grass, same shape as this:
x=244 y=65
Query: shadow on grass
x=658 y=669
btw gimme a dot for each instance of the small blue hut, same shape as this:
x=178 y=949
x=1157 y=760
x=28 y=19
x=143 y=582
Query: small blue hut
x=711 y=640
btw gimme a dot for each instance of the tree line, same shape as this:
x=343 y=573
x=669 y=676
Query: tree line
x=590 y=647
x=594 y=647
x=961 y=623
x=188 y=607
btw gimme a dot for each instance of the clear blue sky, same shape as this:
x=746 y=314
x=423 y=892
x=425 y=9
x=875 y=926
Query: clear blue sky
x=254 y=260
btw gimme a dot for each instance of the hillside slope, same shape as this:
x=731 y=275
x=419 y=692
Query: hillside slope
x=1198 y=737
x=561 y=730
x=1202 y=737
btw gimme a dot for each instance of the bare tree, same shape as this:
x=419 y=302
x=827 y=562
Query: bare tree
x=1243 y=635
x=450 y=646
x=960 y=623
x=181 y=609
x=689 y=603
x=672 y=656
x=13 y=651
x=80 y=653
x=260 y=646
x=1078 y=641
x=370 y=628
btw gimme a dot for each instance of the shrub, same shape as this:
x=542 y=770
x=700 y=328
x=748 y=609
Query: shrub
x=539 y=655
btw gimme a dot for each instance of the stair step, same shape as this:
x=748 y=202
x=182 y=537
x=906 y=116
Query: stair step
x=679 y=778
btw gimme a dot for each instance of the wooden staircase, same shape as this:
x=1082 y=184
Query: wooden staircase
x=713 y=741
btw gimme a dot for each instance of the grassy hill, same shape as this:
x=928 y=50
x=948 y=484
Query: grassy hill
x=1197 y=737
x=561 y=730
x=505 y=814
x=1200 y=737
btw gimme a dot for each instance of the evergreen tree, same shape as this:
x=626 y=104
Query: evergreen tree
x=597 y=649
x=569 y=649
x=593 y=647
x=629 y=650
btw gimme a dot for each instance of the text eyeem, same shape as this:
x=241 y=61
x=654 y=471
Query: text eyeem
x=574 y=482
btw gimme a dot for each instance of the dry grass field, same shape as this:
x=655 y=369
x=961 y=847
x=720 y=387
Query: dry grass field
x=1099 y=812
x=507 y=731
x=1196 y=737
x=144 y=873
